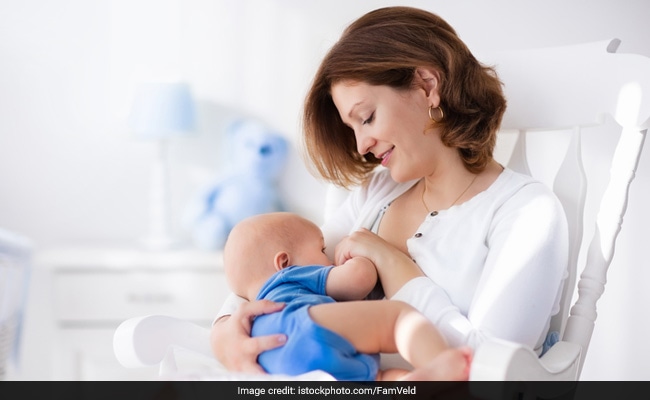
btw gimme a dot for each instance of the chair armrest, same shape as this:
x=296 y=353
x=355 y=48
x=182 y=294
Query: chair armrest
x=507 y=361
x=516 y=366
x=181 y=349
x=149 y=340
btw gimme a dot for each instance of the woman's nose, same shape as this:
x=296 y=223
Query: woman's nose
x=365 y=142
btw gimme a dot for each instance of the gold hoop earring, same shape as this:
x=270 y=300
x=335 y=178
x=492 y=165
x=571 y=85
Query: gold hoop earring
x=442 y=114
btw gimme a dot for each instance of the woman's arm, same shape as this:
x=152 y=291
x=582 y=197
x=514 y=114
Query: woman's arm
x=394 y=267
x=517 y=282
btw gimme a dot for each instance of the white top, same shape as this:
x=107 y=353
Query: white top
x=494 y=265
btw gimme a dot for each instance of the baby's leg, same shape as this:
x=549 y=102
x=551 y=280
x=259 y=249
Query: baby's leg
x=392 y=374
x=450 y=365
x=383 y=326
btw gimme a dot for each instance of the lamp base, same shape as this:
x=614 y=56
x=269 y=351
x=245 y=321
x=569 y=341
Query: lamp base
x=160 y=228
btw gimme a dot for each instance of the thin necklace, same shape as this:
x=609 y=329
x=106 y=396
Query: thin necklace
x=424 y=190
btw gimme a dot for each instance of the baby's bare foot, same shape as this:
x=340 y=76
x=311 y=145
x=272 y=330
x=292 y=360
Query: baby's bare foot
x=450 y=365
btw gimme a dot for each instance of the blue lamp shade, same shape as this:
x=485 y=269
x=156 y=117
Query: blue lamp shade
x=162 y=110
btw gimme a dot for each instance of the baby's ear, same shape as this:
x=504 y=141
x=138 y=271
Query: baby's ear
x=281 y=260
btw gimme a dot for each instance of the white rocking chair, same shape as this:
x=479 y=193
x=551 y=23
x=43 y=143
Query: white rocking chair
x=563 y=88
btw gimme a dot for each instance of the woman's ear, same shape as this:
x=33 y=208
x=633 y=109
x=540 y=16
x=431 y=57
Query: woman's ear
x=281 y=260
x=428 y=79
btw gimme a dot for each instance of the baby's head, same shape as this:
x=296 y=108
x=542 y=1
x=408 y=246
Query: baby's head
x=261 y=245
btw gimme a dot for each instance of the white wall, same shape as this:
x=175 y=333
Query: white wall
x=71 y=174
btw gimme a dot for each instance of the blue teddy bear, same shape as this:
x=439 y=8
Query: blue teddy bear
x=259 y=156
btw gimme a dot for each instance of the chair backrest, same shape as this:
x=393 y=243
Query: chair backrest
x=568 y=89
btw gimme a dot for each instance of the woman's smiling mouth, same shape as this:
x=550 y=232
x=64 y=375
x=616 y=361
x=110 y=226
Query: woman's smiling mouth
x=386 y=156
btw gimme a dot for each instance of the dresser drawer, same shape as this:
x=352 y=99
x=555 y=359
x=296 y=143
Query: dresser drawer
x=115 y=296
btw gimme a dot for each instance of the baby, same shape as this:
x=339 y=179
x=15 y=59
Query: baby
x=280 y=257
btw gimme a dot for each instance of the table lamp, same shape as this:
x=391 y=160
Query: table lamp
x=161 y=111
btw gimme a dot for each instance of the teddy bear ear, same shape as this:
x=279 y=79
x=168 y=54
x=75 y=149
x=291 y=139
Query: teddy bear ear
x=280 y=142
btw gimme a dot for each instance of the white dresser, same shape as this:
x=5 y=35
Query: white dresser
x=94 y=290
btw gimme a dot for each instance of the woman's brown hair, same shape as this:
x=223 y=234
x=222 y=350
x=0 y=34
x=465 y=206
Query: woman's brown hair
x=384 y=47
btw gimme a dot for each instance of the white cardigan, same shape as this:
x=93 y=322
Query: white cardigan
x=494 y=265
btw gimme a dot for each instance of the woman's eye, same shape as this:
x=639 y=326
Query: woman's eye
x=369 y=120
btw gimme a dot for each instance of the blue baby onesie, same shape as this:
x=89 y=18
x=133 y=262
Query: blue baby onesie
x=309 y=346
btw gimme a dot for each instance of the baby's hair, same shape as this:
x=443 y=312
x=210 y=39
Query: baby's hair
x=278 y=227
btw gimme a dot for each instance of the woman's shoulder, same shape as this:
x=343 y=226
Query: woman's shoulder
x=515 y=189
x=511 y=182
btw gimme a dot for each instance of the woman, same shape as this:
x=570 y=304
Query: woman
x=477 y=248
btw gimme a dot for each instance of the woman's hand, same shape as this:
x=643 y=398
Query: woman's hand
x=393 y=266
x=232 y=344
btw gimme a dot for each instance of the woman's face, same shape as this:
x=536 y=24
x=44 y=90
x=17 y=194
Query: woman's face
x=391 y=125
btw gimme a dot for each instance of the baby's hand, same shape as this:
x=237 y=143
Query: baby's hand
x=352 y=280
